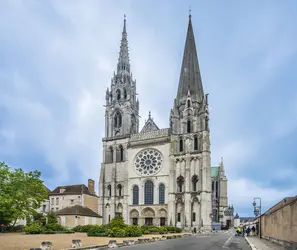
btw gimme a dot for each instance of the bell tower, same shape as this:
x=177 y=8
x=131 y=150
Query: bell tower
x=122 y=108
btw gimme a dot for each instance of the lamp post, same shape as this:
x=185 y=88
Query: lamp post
x=257 y=212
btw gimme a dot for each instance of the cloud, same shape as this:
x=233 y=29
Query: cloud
x=57 y=59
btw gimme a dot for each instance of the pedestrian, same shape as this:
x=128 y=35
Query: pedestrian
x=253 y=230
x=248 y=230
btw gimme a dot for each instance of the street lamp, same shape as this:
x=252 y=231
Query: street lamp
x=257 y=212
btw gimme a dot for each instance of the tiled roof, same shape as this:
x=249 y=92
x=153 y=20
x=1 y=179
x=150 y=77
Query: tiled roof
x=72 y=189
x=78 y=210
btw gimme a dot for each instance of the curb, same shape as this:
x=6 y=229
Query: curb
x=143 y=241
x=251 y=244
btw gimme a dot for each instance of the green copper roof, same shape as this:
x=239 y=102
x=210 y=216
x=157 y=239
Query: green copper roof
x=214 y=171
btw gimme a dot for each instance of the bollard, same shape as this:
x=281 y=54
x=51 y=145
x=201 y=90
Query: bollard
x=76 y=243
x=112 y=244
x=46 y=245
x=36 y=248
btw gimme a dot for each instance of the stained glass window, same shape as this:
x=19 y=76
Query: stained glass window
x=149 y=192
x=135 y=195
x=161 y=194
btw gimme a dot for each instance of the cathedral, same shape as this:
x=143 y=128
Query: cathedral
x=161 y=176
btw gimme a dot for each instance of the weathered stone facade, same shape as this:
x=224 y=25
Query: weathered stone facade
x=157 y=176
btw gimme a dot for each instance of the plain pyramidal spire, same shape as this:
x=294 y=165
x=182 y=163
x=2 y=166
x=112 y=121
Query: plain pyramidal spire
x=190 y=78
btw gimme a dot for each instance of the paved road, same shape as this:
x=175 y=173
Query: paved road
x=205 y=242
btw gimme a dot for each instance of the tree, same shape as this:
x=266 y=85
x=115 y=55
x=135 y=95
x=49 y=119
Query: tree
x=20 y=194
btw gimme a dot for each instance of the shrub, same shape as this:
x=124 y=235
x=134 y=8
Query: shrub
x=97 y=231
x=133 y=231
x=33 y=228
x=173 y=229
x=116 y=222
x=85 y=228
x=54 y=227
x=118 y=232
x=52 y=218
x=162 y=230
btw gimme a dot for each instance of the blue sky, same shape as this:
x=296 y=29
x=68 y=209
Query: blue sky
x=57 y=58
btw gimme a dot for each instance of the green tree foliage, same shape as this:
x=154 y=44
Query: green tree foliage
x=20 y=194
x=52 y=218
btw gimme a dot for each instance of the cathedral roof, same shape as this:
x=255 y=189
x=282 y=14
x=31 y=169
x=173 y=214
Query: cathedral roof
x=214 y=171
x=149 y=125
x=190 y=78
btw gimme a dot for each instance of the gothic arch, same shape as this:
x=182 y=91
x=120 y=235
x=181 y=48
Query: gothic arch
x=120 y=153
x=117 y=119
x=148 y=212
x=120 y=189
x=134 y=213
x=162 y=212
x=120 y=208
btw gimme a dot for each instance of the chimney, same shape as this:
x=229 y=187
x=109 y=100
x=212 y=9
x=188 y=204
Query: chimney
x=91 y=185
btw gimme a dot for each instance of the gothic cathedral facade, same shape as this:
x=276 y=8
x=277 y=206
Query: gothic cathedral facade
x=160 y=176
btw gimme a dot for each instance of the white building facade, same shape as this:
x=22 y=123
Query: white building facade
x=157 y=176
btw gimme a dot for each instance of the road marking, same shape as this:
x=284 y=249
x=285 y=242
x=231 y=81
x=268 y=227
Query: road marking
x=226 y=243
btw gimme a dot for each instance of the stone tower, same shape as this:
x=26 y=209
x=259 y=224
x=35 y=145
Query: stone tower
x=121 y=120
x=190 y=187
x=122 y=108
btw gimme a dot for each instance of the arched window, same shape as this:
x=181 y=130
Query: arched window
x=195 y=142
x=109 y=155
x=188 y=126
x=181 y=145
x=161 y=194
x=194 y=182
x=135 y=195
x=120 y=187
x=194 y=217
x=125 y=93
x=118 y=93
x=180 y=181
x=120 y=153
x=178 y=217
x=149 y=192
x=189 y=103
x=117 y=120
x=109 y=190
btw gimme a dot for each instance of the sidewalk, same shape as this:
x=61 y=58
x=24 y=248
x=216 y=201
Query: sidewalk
x=257 y=244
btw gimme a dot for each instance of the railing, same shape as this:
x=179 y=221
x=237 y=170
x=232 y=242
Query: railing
x=150 y=135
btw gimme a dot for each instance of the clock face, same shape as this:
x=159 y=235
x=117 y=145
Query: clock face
x=148 y=162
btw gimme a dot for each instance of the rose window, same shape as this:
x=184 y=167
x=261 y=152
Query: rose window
x=148 y=162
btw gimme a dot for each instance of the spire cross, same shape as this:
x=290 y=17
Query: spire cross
x=190 y=10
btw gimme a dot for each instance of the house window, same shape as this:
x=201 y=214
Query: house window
x=178 y=217
x=181 y=145
x=194 y=217
x=52 y=209
x=188 y=126
x=195 y=142
x=149 y=192
x=52 y=201
x=71 y=202
x=57 y=208
x=161 y=194
x=108 y=218
x=44 y=208
x=57 y=201
x=135 y=195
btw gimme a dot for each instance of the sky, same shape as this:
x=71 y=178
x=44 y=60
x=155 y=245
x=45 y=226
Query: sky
x=57 y=59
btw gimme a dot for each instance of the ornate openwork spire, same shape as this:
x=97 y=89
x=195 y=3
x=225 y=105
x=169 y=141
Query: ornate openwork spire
x=124 y=64
x=149 y=125
x=190 y=78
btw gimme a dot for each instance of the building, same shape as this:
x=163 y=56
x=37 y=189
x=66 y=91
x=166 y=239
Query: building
x=158 y=176
x=66 y=196
x=78 y=215
x=236 y=220
x=45 y=206
x=221 y=212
